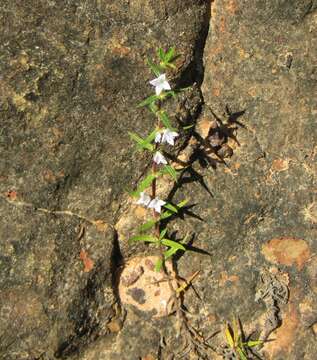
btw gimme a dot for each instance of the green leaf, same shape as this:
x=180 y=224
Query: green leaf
x=146 y=226
x=171 y=65
x=169 y=55
x=170 y=252
x=168 y=213
x=162 y=234
x=134 y=193
x=151 y=137
x=143 y=144
x=158 y=265
x=173 y=244
x=153 y=108
x=149 y=100
x=171 y=208
x=155 y=68
x=188 y=127
x=253 y=343
x=242 y=355
x=165 y=119
x=146 y=183
x=166 y=94
x=171 y=171
x=182 y=203
x=146 y=238
x=161 y=54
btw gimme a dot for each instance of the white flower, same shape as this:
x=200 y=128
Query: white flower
x=144 y=199
x=156 y=204
x=160 y=84
x=168 y=136
x=158 y=158
x=158 y=137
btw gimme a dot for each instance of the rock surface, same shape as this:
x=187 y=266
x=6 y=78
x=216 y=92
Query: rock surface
x=71 y=74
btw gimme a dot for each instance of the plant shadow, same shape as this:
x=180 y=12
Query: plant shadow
x=209 y=151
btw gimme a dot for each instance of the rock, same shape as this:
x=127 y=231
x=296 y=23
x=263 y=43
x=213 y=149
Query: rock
x=71 y=76
x=262 y=197
x=146 y=289
x=287 y=251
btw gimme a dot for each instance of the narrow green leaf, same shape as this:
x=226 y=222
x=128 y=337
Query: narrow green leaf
x=253 y=343
x=182 y=203
x=170 y=54
x=188 y=127
x=161 y=54
x=146 y=226
x=151 y=137
x=155 y=68
x=149 y=100
x=173 y=244
x=146 y=238
x=171 y=65
x=158 y=265
x=170 y=252
x=242 y=355
x=142 y=144
x=171 y=171
x=165 y=119
x=162 y=234
x=153 y=108
x=135 y=137
x=134 y=193
x=146 y=183
x=171 y=208
x=168 y=213
x=166 y=94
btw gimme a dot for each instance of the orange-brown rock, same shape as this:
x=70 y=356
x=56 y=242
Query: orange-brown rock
x=287 y=251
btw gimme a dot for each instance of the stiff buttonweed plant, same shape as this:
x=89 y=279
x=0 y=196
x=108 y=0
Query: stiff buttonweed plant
x=163 y=136
x=159 y=138
x=237 y=347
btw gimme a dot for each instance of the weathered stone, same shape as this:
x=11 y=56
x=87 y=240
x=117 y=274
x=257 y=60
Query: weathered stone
x=71 y=75
x=143 y=287
x=287 y=251
x=258 y=82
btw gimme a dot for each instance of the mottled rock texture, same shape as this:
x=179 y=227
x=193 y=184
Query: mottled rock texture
x=71 y=73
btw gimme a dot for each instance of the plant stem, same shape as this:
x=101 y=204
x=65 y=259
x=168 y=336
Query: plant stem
x=154 y=183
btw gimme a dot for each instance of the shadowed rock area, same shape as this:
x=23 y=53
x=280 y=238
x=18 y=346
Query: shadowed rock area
x=71 y=74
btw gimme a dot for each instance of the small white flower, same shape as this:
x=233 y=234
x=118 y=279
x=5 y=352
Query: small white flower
x=160 y=84
x=168 y=136
x=158 y=137
x=144 y=199
x=156 y=204
x=158 y=158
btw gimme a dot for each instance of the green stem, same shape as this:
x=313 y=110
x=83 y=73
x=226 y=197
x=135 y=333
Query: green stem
x=154 y=183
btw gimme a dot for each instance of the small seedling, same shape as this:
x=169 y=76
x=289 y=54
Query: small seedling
x=236 y=342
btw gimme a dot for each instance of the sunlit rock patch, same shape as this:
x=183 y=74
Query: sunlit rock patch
x=144 y=288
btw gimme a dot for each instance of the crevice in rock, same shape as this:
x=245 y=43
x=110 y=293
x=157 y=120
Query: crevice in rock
x=194 y=73
x=116 y=263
